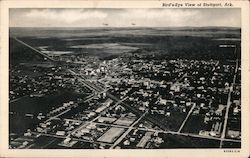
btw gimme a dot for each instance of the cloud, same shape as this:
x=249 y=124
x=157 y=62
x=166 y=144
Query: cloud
x=158 y=13
x=68 y=16
x=144 y=17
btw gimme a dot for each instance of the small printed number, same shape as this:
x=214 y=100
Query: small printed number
x=231 y=151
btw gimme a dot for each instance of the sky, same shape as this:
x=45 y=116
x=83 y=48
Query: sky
x=161 y=17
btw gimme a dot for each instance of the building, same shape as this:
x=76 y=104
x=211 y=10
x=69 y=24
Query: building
x=144 y=140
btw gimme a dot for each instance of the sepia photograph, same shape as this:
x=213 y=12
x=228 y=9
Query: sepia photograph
x=126 y=78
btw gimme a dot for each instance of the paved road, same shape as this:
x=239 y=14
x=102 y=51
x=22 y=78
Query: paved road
x=127 y=132
x=96 y=118
x=14 y=100
x=223 y=134
x=184 y=122
x=189 y=135
x=54 y=117
x=44 y=55
x=177 y=81
x=64 y=137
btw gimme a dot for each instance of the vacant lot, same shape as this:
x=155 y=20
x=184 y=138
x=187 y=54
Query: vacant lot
x=111 y=135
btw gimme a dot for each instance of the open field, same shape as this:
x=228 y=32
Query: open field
x=176 y=141
x=45 y=142
x=111 y=135
x=34 y=105
x=198 y=121
x=187 y=42
x=43 y=104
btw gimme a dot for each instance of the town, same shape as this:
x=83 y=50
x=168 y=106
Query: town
x=137 y=100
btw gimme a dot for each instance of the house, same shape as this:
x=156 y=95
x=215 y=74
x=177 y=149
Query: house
x=60 y=133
